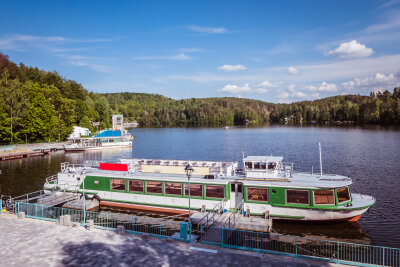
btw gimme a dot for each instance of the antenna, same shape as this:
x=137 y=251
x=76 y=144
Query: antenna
x=320 y=157
x=243 y=152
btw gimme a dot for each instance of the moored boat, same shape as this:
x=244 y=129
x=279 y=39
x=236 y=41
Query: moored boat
x=265 y=185
x=117 y=137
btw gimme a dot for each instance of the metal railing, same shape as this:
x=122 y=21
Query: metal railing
x=234 y=217
x=109 y=221
x=209 y=218
x=325 y=250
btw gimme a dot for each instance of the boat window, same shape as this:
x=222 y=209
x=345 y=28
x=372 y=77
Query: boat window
x=324 y=197
x=215 y=191
x=263 y=165
x=249 y=165
x=136 y=186
x=297 y=196
x=118 y=184
x=343 y=194
x=256 y=165
x=257 y=194
x=154 y=187
x=271 y=165
x=173 y=189
x=196 y=190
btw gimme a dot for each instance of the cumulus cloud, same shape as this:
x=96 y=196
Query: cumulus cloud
x=269 y=84
x=352 y=49
x=292 y=70
x=323 y=87
x=379 y=81
x=235 y=89
x=283 y=95
x=207 y=29
x=299 y=94
x=231 y=67
x=261 y=90
x=291 y=87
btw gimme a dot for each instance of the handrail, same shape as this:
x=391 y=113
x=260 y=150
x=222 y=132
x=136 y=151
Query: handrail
x=217 y=208
x=238 y=210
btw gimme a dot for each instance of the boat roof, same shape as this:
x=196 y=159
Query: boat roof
x=264 y=158
x=219 y=173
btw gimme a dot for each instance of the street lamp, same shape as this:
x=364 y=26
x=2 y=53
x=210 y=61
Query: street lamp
x=189 y=171
x=83 y=195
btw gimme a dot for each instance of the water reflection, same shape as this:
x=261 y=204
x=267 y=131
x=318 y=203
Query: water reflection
x=338 y=231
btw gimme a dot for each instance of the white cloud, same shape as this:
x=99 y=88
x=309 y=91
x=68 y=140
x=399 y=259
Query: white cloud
x=299 y=94
x=234 y=89
x=207 y=29
x=191 y=50
x=269 y=84
x=291 y=87
x=379 y=81
x=352 y=49
x=283 y=95
x=315 y=95
x=181 y=56
x=323 y=87
x=292 y=70
x=261 y=90
x=23 y=43
x=231 y=67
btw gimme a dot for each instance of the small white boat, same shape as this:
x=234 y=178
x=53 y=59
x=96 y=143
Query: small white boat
x=117 y=137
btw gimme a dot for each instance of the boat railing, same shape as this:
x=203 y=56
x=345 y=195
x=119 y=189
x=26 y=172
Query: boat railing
x=209 y=218
x=66 y=166
x=235 y=216
x=51 y=179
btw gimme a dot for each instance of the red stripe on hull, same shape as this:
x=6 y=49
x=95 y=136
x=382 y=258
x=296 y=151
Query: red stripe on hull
x=142 y=207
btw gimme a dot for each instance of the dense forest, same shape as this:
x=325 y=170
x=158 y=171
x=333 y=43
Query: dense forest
x=37 y=105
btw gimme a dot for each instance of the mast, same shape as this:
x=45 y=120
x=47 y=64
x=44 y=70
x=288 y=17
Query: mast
x=320 y=157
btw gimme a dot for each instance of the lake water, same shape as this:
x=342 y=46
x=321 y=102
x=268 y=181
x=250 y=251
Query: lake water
x=369 y=155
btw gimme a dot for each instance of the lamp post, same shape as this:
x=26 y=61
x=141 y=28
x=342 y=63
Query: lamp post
x=83 y=193
x=189 y=171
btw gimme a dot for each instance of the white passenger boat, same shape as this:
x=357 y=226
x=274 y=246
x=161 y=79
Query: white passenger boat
x=117 y=137
x=263 y=185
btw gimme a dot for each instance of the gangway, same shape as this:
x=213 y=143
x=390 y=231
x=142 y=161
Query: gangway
x=40 y=197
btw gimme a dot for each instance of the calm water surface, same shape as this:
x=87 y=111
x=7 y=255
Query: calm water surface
x=370 y=156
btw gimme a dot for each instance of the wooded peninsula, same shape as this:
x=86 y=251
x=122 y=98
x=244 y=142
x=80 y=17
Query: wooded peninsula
x=38 y=105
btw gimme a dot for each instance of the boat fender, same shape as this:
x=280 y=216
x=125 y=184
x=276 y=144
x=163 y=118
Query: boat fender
x=96 y=197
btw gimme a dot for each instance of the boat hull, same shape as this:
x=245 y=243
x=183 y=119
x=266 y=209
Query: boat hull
x=180 y=205
x=80 y=149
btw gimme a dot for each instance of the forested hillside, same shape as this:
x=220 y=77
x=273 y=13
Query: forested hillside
x=39 y=105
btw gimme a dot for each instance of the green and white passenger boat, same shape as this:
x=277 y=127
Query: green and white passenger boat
x=264 y=184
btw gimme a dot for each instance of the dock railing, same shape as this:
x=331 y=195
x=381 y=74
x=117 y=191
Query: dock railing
x=108 y=221
x=295 y=246
x=325 y=250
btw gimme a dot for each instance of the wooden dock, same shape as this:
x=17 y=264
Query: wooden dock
x=77 y=204
x=29 y=150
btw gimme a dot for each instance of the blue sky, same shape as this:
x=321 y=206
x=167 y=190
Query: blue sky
x=276 y=51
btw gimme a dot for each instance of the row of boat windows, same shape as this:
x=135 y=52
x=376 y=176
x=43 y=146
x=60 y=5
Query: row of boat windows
x=321 y=197
x=170 y=188
x=260 y=165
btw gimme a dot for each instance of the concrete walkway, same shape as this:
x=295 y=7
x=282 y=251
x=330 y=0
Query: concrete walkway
x=29 y=242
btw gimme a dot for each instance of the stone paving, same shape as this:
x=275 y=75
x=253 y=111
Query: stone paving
x=29 y=242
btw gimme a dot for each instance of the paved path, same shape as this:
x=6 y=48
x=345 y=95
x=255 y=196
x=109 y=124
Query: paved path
x=29 y=242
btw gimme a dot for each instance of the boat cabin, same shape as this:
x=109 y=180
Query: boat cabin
x=266 y=167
